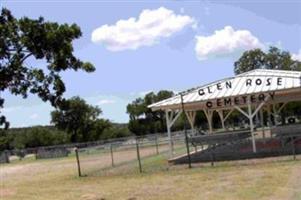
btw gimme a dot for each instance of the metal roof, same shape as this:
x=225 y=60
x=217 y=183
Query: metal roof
x=252 y=82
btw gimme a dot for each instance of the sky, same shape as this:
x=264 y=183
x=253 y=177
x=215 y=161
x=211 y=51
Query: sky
x=143 y=46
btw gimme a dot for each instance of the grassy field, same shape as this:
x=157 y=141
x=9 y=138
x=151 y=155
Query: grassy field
x=57 y=179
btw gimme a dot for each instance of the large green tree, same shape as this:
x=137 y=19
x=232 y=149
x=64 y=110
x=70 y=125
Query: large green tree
x=77 y=118
x=273 y=59
x=25 y=40
x=142 y=119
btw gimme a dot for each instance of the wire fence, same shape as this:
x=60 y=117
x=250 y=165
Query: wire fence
x=139 y=154
x=151 y=153
x=135 y=154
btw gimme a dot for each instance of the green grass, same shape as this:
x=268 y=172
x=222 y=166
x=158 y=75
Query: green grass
x=57 y=179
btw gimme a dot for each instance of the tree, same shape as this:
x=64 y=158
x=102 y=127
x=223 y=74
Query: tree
x=23 y=40
x=273 y=59
x=77 y=118
x=98 y=128
x=142 y=119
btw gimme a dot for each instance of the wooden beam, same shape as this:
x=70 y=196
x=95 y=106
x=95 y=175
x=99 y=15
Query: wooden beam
x=221 y=116
x=209 y=114
x=252 y=127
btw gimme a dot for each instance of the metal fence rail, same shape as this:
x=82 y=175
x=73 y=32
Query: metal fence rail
x=132 y=154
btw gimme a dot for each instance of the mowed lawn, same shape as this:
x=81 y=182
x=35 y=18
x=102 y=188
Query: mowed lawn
x=56 y=179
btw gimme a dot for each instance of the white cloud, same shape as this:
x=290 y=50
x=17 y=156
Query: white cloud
x=225 y=41
x=146 y=30
x=34 y=116
x=105 y=101
x=297 y=56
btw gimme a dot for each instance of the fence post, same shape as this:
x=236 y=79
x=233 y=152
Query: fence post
x=78 y=163
x=293 y=148
x=157 y=146
x=36 y=153
x=138 y=155
x=212 y=156
x=6 y=155
x=185 y=131
x=112 y=156
x=187 y=148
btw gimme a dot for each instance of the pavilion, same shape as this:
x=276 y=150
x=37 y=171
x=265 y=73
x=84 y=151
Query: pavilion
x=250 y=93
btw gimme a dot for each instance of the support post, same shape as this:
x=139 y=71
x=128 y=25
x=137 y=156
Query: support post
x=269 y=115
x=186 y=136
x=257 y=118
x=170 y=120
x=293 y=148
x=191 y=118
x=275 y=114
x=251 y=126
x=250 y=115
x=221 y=116
x=262 y=124
x=138 y=155
x=212 y=155
x=157 y=146
x=209 y=114
x=277 y=111
x=112 y=156
x=168 y=123
x=78 y=163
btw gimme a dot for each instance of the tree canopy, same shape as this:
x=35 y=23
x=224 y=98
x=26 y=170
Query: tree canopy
x=142 y=119
x=77 y=118
x=273 y=59
x=82 y=123
x=25 y=40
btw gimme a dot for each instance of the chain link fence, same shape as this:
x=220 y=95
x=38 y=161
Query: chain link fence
x=129 y=154
x=135 y=154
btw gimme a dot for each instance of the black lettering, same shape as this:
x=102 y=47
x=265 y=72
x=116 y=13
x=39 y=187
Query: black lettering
x=269 y=81
x=249 y=82
x=219 y=86
x=209 y=104
x=258 y=81
x=228 y=84
x=227 y=101
x=236 y=100
x=209 y=91
x=218 y=102
x=279 y=81
x=201 y=92
x=253 y=99
x=272 y=94
x=244 y=98
x=261 y=97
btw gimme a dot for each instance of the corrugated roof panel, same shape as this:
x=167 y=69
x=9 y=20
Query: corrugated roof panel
x=237 y=84
x=195 y=96
x=296 y=82
x=267 y=80
x=190 y=97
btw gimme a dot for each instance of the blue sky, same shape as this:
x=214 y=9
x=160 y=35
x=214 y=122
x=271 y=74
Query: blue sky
x=141 y=46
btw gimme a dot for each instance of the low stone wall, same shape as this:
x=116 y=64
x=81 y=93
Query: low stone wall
x=44 y=153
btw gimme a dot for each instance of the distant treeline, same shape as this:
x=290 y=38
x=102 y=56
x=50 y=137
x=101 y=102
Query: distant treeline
x=36 y=136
